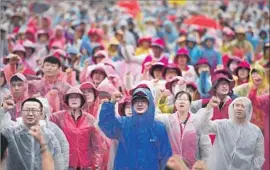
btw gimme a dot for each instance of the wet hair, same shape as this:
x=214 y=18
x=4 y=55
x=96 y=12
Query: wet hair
x=52 y=60
x=15 y=78
x=181 y=93
x=33 y=100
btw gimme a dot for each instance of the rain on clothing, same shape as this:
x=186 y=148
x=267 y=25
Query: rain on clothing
x=84 y=139
x=142 y=142
x=24 y=150
x=185 y=140
x=262 y=103
x=244 y=90
x=237 y=146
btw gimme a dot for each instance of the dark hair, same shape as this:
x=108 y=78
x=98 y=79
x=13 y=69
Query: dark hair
x=33 y=100
x=181 y=93
x=15 y=78
x=4 y=145
x=52 y=60
x=154 y=68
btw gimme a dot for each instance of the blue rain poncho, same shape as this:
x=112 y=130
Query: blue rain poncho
x=142 y=141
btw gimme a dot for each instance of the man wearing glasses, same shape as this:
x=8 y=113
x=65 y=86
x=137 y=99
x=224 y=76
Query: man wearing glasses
x=28 y=141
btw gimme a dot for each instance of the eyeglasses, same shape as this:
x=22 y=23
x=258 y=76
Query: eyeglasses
x=34 y=111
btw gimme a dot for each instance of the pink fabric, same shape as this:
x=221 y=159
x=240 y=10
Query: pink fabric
x=44 y=86
x=18 y=100
x=262 y=103
x=149 y=58
x=9 y=70
x=184 y=140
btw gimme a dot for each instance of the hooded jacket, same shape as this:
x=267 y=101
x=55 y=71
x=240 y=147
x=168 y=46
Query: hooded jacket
x=143 y=142
x=24 y=150
x=212 y=56
x=19 y=99
x=83 y=138
x=237 y=146
x=187 y=143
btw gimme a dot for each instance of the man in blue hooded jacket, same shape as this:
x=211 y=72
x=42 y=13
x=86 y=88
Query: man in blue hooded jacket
x=143 y=142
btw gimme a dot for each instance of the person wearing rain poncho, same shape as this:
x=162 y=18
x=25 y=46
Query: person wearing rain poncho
x=59 y=134
x=239 y=144
x=142 y=142
x=84 y=140
x=24 y=152
x=183 y=133
x=258 y=79
x=208 y=52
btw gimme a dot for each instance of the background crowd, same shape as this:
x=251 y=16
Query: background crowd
x=60 y=60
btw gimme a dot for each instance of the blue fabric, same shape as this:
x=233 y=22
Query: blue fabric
x=195 y=54
x=253 y=40
x=170 y=36
x=72 y=50
x=143 y=141
x=204 y=84
x=213 y=57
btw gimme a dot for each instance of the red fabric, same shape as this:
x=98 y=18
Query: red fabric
x=262 y=103
x=132 y=7
x=82 y=137
x=202 y=21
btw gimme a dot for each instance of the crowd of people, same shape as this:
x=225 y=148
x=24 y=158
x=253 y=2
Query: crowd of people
x=134 y=85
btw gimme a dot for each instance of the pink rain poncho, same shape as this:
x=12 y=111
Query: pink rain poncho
x=237 y=146
x=18 y=99
x=185 y=139
x=53 y=90
x=85 y=143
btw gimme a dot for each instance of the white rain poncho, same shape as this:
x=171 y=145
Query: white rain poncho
x=24 y=150
x=237 y=146
x=187 y=143
x=59 y=134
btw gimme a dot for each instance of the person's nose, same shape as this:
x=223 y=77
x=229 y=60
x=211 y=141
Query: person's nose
x=16 y=87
